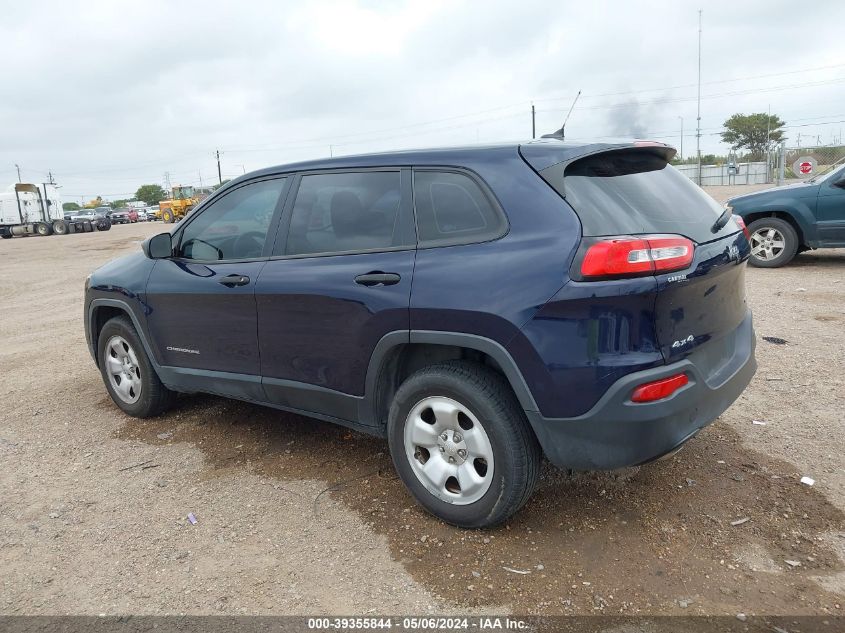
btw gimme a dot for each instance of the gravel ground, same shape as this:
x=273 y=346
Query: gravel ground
x=298 y=516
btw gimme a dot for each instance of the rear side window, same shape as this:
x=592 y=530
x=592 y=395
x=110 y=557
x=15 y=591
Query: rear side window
x=453 y=209
x=630 y=192
x=336 y=213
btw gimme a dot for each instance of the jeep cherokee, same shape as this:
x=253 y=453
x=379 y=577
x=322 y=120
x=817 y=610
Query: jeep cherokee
x=478 y=307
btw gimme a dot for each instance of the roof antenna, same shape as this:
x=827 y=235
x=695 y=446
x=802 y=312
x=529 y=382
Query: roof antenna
x=561 y=133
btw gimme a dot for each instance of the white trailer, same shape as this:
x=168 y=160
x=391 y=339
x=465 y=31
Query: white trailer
x=35 y=209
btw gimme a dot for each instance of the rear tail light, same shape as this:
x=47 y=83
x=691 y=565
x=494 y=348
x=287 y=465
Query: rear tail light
x=659 y=389
x=636 y=256
x=741 y=223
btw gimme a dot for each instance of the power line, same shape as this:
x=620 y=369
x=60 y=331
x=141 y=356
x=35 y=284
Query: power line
x=705 y=83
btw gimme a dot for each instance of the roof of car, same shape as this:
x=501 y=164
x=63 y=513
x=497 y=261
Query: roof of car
x=540 y=153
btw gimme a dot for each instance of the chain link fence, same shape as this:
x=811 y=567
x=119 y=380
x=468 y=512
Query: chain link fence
x=801 y=163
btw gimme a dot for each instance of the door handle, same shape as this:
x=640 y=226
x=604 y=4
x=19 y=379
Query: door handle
x=231 y=281
x=377 y=278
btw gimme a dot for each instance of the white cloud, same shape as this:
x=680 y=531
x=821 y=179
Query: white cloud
x=109 y=95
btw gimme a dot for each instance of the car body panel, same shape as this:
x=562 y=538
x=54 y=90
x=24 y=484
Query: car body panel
x=324 y=333
x=197 y=322
x=830 y=214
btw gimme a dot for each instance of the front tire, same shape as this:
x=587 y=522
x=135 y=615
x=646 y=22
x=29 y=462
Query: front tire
x=462 y=445
x=167 y=216
x=127 y=372
x=774 y=242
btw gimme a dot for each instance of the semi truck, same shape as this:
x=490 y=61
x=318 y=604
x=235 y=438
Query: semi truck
x=36 y=209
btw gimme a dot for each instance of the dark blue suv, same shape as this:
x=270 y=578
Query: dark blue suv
x=478 y=307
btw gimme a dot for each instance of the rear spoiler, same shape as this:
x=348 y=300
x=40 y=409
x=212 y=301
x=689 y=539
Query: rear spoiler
x=553 y=155
x=550 y=151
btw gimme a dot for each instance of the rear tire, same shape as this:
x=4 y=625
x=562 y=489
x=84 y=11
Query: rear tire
x=127 y=372
x=60 y=227
x=774 y=242
x=486 y=458
x=43 y=229
x=87 y=227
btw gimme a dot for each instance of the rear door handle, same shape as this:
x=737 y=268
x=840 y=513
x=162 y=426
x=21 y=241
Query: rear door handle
x=234 y=280
x=376 y=278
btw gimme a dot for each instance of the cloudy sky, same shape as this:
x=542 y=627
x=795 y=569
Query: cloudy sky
x=109 y=95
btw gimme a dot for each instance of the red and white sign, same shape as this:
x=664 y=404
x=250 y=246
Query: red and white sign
x=804 y=166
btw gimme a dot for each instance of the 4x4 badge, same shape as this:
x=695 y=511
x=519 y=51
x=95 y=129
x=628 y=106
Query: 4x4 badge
x=733 y=253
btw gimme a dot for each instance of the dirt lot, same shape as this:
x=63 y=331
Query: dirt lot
x=298 y=516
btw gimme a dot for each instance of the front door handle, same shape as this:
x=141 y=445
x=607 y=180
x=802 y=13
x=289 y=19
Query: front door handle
x=231 y=281
x=376 y=278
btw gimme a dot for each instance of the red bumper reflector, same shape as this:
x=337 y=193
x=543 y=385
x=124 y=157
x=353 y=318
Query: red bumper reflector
x=659 y=389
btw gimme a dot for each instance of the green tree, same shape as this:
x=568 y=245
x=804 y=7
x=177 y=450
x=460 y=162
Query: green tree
x=70 y=206
x=151 y=194
x=753 y=132
x=118 y=204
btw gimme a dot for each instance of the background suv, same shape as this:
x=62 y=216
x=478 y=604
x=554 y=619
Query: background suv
x=784 y=221
x=477 y=307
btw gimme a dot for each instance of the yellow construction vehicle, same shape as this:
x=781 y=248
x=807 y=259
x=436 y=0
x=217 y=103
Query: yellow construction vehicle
x=182 y=200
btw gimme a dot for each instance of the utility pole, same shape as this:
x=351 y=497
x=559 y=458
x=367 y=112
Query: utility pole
x=18 y=167
x=331 y=151
x=698 y=109
x=167 y=182
x=768 y=143
x=219 y=173
x=682 y=137
x=50 y=174
x=533 y=122
x=199 y=173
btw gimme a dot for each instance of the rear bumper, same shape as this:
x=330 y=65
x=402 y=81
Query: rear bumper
x=617 y=432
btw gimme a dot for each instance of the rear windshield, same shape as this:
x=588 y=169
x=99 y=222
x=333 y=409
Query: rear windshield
x=633 y=192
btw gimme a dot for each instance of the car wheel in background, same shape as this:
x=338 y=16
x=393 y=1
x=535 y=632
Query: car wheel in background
x=127 y=372
x=462 y=445
x=773 y=242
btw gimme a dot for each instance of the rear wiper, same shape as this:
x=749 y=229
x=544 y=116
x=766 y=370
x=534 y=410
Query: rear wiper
x=721 y=222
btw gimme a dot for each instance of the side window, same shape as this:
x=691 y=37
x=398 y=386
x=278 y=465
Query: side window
x=235 y=226
x=453 y=209
x=335 y=213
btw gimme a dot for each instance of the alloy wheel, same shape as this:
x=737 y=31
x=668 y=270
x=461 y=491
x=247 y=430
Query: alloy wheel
x=767 y=243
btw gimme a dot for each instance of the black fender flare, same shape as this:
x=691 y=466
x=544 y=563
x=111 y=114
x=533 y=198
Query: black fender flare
x=90 y=323
x=456 y=339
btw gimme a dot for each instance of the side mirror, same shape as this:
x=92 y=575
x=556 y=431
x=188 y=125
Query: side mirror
x=158 y=246
x=840 y=183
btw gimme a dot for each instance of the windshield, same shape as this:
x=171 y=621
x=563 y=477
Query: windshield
x=822 y=177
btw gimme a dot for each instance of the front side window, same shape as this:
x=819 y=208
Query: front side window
x=235 y=226
x=452 y=209
x=335 y=213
